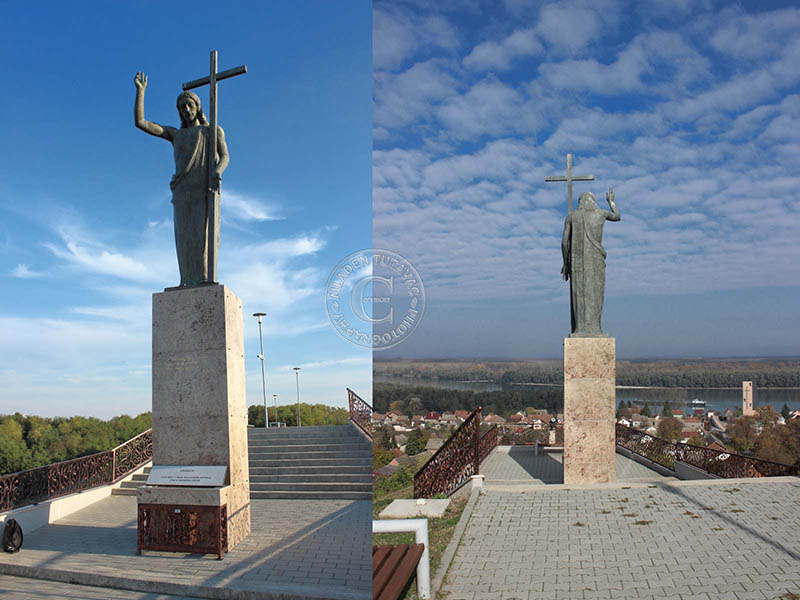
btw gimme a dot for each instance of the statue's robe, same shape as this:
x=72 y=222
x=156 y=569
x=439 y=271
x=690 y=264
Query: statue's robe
x=583 y=232
x=190 y=204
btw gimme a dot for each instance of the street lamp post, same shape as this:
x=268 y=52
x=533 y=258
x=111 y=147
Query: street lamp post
x=258 y=316
x=297 y=380
x=277 y=420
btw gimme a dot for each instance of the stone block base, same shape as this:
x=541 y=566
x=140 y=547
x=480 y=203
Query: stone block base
x=589 y=408
x=237 y=499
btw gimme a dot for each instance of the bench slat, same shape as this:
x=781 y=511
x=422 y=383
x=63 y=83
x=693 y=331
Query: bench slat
x=394 y=569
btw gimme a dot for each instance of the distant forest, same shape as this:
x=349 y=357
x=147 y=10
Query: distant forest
x=662 y=373
x=29 y=442
x=419 y=399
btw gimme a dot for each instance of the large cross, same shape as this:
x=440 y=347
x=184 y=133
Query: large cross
x=211 y=82
x=569 y=179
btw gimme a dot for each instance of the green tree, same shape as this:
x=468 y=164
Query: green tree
x=742 y=432
x=667 y=409
x=380 y=457
x=14 y=453
x=670 y=428
x=646 y=410
x=416 y=442
x=785 y=412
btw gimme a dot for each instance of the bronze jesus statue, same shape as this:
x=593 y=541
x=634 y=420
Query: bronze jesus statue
x=585 y=262
x=190 y=185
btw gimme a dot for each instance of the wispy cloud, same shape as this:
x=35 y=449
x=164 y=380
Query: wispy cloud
x=242 y=207
x=25 y=272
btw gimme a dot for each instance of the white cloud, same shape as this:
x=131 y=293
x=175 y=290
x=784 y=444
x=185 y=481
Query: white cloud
x=25 y=272
x=245 y=208
x=498 y=55
x=408 y=97
x=755 y=36
x=398 y=34
x=489 y=108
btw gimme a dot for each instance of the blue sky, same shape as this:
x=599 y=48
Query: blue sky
x=87 y=234
x=689 y=109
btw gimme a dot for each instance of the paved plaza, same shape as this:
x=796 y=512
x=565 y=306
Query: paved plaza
x=520 y=466
x=687 y=540
x=297 y=549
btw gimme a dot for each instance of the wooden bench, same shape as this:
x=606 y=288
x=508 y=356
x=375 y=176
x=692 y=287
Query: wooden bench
x=392 y=567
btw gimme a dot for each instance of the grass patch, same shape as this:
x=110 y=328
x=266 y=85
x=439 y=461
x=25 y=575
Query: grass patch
x=578 y=524
x=440 y=532
x=629 y=514
x=643 y=522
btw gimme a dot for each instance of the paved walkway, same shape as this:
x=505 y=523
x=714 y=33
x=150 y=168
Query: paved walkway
x=698 y=540
x=297 y=549
x=22 y=588
x=519 y=465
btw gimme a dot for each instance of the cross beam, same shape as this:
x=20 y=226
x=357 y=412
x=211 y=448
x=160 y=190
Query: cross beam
x=569 y=178
x=211 y=152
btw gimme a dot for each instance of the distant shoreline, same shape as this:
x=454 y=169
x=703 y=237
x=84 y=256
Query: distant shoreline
x=535 y=384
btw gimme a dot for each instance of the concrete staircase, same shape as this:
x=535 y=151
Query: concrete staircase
x=310 y=462
x=129 y=487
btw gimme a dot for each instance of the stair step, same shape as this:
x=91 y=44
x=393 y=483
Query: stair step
x=334 y=478
x=310 y=455
x=285 y=448
x=311 y=495
x=311 y=487
x=124 y=491
x=309 y=463
x=311 y=470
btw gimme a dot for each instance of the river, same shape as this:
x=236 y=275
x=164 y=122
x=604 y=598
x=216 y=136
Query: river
x=715 y=399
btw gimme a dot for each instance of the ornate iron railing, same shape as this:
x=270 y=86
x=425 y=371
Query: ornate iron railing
x=454 y=462
x=721 y=463
x=489 y=440
x=71 y=476
x=360 y=412
x=659 y=451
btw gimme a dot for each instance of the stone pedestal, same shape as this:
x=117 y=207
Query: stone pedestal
x=199 y=408
x=589 y=408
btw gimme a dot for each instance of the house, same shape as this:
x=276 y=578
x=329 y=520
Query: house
x=624 y=422
x=418 y=421
x=677 y=413
x=385 y=471
x=434 y=444
x=432 y=417
x=692 y=424
x=493 y=419
x=462 y=414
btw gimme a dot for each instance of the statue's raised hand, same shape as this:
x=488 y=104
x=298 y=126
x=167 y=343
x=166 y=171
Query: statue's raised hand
x=140 y=81
x=610 y=195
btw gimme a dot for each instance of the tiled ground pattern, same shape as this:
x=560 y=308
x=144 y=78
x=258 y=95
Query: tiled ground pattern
x=316 y=547
x=735 y=541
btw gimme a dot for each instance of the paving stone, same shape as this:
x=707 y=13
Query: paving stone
x=100 y=542
x=669 y=554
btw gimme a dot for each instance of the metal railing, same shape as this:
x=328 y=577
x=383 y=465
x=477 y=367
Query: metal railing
x=457 y=460
x=360 y=412
x=72 y=476
x=718 y=462
x=488 y=441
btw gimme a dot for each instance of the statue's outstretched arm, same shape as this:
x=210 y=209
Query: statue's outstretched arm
x=140 y=81
x=613 y=215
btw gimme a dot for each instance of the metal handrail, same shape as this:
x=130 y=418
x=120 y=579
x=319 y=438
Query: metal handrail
x=717 y=462
x=32 y=486
x=454 y=462
x=360 y=412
